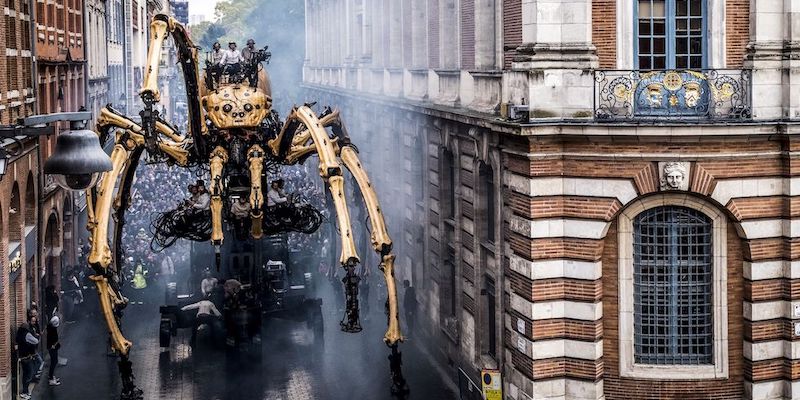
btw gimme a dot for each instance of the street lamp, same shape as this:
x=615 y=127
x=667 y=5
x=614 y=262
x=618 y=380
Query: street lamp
x=78 y=159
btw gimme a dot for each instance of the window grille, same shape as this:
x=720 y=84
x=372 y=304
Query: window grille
x=673 y=303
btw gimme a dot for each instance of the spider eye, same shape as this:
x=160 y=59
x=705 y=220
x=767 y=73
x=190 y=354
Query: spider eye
x=227 y=108
x=248 y=107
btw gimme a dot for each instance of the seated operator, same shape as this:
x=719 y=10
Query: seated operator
x=240 y=208
x=203 y=200
x=276 y=195
x=232 y=60
x=206 y=314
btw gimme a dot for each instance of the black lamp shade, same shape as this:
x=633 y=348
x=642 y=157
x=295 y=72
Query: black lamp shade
x=78 y=152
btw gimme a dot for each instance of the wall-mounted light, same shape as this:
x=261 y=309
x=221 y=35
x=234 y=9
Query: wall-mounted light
x=78 y=159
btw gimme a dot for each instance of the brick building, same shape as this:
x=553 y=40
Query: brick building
x=18 y=188
x=60 y=49
x=633 y=234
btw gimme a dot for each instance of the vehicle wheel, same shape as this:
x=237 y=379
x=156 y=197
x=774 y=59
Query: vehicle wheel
x=165 y=333
x=316 y=323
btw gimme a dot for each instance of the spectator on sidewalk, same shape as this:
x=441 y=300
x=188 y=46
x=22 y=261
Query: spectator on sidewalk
x=36 y=330
x=26 y=347
x=53 y=345
x=50 y=301
x=409 y=305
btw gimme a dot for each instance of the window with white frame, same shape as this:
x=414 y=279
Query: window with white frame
x=672 y=289
x=670 y=34
x=665 y=34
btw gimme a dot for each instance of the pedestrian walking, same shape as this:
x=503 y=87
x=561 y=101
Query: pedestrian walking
x=409 y=306
x=53 y=345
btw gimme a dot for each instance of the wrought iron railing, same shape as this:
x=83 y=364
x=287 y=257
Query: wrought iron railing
x=703 y=95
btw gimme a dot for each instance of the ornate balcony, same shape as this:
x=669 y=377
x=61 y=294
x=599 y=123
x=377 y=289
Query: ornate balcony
x=700 y=96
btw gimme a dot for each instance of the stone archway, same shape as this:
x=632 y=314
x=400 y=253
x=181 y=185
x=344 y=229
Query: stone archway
x=52 y=252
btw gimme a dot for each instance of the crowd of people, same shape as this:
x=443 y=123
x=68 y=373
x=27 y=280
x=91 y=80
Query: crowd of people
x=157 y=188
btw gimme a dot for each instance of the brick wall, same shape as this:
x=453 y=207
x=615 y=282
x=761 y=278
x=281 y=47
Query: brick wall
x=604 y=31
x=616 y=387
x=737 y=27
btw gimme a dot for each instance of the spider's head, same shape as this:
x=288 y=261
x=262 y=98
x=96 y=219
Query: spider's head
x=237 y=106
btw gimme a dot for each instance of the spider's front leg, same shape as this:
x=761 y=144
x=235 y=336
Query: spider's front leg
x=218 y=159
x=256 y=157
x=331 y=172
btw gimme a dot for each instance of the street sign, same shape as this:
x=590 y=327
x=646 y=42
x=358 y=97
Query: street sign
x=492 y=384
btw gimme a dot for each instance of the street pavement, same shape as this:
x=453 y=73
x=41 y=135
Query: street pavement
x=294 y=367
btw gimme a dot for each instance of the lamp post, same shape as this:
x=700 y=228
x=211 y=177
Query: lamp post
x=78 y=158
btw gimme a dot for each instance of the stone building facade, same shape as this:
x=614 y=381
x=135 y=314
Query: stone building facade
x=97 y=23
x=598 y=198
x=18 y=188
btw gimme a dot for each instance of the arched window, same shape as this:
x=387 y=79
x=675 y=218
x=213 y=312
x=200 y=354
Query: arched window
x=673 y=321
x=673 y=272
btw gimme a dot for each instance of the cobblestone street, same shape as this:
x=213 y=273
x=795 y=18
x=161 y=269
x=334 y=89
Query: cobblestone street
x=294 y=367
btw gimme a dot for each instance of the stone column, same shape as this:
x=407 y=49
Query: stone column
x=394 y=14
x=765 y=53
x=485 y=34
x=559 y=55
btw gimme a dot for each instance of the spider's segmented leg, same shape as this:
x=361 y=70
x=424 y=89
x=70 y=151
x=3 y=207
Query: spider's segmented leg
x=381 y=242
x=217 y=161
x=256 y=157
x=331 y=172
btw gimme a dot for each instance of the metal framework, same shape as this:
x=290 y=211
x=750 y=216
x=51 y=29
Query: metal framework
x=673 y=303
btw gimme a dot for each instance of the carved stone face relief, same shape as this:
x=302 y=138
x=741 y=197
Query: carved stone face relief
x=674 y=175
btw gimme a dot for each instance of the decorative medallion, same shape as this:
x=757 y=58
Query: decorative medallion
x=672 y=81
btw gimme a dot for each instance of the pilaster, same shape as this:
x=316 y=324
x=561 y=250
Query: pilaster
x=559 y=54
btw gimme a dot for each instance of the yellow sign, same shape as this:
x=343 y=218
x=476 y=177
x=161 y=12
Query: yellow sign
x=492 y=384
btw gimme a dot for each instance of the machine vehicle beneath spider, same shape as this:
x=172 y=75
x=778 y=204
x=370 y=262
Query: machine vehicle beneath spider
x=264 y=289
x=235 y=140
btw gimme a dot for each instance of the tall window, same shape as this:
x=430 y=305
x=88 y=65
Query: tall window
x=491 y=320
x=487 y=192
x=673 y=304
x=448 y=184
x=670 y=34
